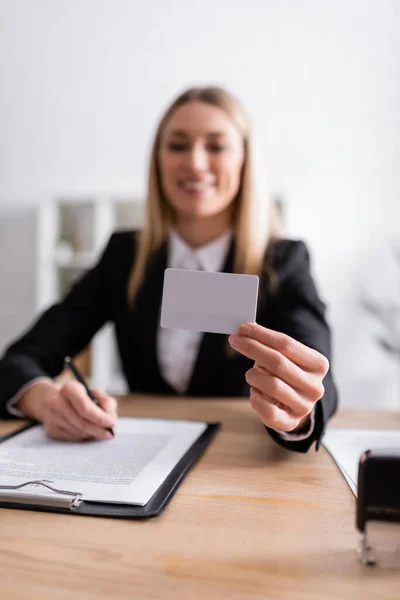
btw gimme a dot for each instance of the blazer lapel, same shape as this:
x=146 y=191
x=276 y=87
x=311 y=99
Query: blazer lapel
x=149 y=307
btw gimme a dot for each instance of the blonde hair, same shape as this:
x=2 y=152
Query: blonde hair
x=255 y=221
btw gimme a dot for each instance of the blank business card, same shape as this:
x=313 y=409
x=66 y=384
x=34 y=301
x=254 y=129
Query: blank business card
x=208 y=302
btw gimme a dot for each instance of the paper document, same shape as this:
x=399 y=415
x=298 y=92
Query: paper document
x=127 y=469
x=347 y=445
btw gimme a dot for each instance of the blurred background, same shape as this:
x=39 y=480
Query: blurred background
x=83 y=84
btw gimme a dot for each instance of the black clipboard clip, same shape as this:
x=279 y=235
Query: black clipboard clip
x=9 y=494
x=378 y=508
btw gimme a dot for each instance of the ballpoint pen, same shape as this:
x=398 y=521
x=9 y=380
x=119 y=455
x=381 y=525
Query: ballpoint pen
x=70 y=365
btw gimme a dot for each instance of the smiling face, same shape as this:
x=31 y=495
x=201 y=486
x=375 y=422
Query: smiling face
x=200 y=160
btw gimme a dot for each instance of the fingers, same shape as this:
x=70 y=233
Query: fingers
x=63 y=416
x=84 y=429
x=57 y=426
x=280 y=366
x=271 y=413
x=71 y=415
x=300 y=354
x=59 y=433
x=107 y=403
x=286 y=380
x=55 y=422
x=85 y=407
x=279 y=391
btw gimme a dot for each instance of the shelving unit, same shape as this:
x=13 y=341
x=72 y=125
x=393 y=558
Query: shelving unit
x=72 y=231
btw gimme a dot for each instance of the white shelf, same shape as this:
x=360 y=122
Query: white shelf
x=72 y=232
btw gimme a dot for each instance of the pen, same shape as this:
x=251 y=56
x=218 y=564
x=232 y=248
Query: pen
x=70 y=365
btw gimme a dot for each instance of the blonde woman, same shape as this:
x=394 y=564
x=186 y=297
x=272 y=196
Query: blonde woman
x=203 y=212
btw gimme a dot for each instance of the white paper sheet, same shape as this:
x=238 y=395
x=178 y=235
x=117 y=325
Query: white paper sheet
x=127 y=469
x=347 y=445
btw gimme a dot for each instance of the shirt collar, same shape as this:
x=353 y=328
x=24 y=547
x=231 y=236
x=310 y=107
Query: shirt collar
x=211 y=256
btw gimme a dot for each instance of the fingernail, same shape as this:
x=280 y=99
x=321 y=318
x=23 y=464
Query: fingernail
x=244 y=329
x=234 y=340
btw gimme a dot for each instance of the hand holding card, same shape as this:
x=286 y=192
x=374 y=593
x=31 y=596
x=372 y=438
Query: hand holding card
x=208 y=302
x=286 y=379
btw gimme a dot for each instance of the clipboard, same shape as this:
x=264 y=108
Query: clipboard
x=74 y=504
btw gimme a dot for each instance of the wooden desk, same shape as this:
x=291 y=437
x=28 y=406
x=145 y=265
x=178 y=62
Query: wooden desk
x=250 y=521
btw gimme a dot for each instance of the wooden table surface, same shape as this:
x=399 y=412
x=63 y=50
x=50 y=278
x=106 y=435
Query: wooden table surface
x=251 y=520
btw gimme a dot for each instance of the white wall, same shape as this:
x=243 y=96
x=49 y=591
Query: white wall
x=84 y=82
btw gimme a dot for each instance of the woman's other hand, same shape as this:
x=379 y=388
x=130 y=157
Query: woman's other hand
x=286 y=379
x=67 y=413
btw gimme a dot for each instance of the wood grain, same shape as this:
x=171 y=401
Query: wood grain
x=250 y=521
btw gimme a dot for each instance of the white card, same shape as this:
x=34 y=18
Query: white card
x=209 y=302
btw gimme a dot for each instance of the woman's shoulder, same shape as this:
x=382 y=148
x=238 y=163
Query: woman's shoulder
x=123 y=238
x=286 y=261
x=122 y=241
x=284 y=252
x=120 y=248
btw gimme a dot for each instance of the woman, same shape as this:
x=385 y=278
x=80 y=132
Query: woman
x=203 y=212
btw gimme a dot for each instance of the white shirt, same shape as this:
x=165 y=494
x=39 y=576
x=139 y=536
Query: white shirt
x=177 y=349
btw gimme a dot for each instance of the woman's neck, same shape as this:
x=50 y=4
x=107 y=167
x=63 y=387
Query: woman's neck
x=198 y=232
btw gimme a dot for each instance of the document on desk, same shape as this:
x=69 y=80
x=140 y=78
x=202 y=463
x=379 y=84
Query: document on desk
x=347 y=445
x=126 y=470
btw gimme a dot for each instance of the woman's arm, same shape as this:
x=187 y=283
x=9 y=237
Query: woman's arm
x=290 y=379
x=299 y=313
x=64 y=329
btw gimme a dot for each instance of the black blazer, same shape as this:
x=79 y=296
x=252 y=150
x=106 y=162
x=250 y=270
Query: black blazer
x=292 y=307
